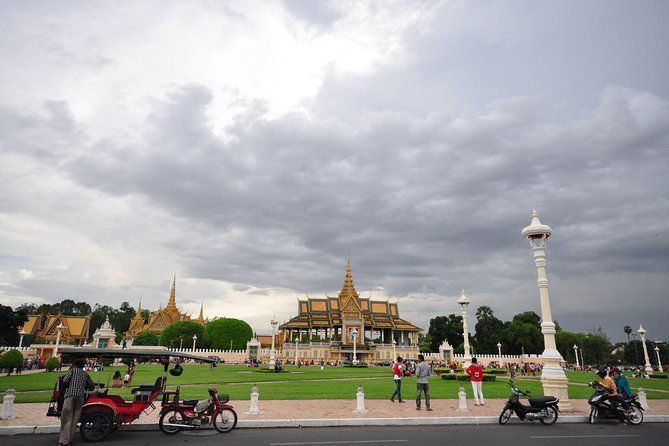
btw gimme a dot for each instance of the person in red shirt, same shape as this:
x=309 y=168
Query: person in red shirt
x=398 y=369
x=475 y=372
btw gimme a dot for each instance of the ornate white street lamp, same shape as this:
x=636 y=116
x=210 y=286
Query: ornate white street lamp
x=464 y=302
x=553 y=378
x=354 y=336
x=297 y=346
x=181 y=343
x=194 y=339
x=578 y=366
x=272 y=357
x=657 y=353
x=642 y=333
x=22 y=333
x=499 y=351
x=59 y=331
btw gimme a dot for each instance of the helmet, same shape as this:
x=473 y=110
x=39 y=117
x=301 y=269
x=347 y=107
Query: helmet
x=601 y=372
x=176 y=370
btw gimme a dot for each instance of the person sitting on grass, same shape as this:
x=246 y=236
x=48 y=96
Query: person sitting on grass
x=116 y=380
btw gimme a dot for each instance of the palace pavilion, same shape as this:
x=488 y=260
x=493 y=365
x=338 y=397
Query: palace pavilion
x=324 y=328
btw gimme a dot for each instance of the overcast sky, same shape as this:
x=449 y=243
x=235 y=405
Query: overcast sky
x=250 y=146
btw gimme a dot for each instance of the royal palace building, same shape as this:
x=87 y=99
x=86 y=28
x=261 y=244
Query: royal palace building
x=324 y=329
x=160 y=319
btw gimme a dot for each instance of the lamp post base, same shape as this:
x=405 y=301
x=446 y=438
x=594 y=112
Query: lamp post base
x=272 y=361
x=555 y=383
x=649 y=369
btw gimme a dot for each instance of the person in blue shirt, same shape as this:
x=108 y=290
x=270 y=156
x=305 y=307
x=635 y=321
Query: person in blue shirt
x=623 y=386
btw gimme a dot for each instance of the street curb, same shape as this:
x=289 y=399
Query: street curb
x=331 y=422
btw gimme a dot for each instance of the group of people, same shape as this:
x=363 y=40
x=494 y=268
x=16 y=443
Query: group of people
x=618 y=390
x=423 y=372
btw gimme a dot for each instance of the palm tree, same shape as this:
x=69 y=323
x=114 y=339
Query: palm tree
x=628 y=330
x=484 y=312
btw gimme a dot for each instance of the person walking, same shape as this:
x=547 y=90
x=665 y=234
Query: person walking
x=397 y=377
x=475 y=372
x=78 y=382
x=422 y=382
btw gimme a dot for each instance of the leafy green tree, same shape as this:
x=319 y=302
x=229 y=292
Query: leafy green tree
x=10 y=360
x=51 y=364
x=528 y=317
x=174 y=334
x=446 y=327
x=148 y=338
x=489 y=330
x=10 y=325
x=219 y=333
x=523 y=337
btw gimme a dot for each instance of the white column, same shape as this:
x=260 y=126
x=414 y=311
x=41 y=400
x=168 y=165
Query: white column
x=464 y=302
x=659 y=363
x=576 y=354
x=642 y=333
x=272 y=356
x=553 y=378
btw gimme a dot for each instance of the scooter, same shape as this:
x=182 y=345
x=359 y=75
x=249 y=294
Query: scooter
x=601 y=407
x=544 y=409
x=176 y=415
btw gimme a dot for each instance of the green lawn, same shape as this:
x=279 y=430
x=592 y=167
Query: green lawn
x=307 y=383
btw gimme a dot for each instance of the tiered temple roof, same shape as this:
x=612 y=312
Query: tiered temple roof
x=163 y=317
x=43 y=326
x=328 y=311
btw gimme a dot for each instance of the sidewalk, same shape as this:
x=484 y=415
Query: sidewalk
x=288 y=413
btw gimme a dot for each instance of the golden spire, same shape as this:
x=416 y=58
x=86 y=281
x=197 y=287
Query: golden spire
x=200 y=318
x=138 y=314
x=172 y=304
x=348 y=289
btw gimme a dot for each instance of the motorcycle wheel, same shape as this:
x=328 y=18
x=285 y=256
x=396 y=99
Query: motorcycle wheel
x=505 y=416
x=95 y=426
x=171 y=417
x=552 y=416
x=636 y=416
x=225 y=420
x=593 y=415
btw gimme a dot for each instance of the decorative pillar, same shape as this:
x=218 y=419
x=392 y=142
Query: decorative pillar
x=22 y=334
x=642 y=333
x=659 y=363
x=272 y=356
x=553 y=378
x=394 y=351
x=354 y=336
x=578 y=366
x=464 y=302
x=194 y=340
x=59 y=330
x=499 y=351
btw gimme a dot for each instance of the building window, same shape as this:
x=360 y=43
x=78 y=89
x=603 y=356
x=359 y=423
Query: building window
x=387 y=355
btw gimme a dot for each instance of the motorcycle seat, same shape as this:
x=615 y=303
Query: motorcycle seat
x=190 y=402
x=541 y=401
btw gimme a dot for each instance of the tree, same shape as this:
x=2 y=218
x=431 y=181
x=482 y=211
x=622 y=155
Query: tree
x=181 y=333
x=51 y=364
x=446 y=327
x=529 y=317
x=219 y=333
x=147 y=338
x=523 y=337
x=628 y=331
x=489 y=330
x=10 y=325
x=10 y=360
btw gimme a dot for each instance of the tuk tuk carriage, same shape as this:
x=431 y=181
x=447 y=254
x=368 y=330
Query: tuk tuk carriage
x=103 y=413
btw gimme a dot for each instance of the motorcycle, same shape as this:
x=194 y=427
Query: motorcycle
x=176 y=415
x=601 y=407
x=544 y=409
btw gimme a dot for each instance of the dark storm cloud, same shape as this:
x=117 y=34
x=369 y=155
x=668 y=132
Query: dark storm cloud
x=424 y=169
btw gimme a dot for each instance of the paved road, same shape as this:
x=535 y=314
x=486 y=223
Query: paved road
x=517 y=434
